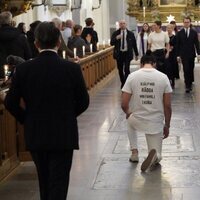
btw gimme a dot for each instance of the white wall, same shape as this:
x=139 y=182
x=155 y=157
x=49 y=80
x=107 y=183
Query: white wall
x=100 y=16
x=118 y=11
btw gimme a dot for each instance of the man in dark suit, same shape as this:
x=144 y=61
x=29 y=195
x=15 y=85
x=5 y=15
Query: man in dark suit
x=124 y=42
x=187 y=47
x=54 y=94
x=12 y=42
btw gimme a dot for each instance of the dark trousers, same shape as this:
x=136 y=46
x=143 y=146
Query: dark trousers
x=160 y=60
x=188 y=69
x=53 y=170
x=170 y=64
x=123 y=65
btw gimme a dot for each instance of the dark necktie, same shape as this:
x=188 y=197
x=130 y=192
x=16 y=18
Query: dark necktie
x=123 y=40
x=186 y=32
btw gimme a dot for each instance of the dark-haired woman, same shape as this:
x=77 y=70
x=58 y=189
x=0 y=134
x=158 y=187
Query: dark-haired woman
x=171 y=61
x=142 y=39
x=176 y=68
x=22 y=28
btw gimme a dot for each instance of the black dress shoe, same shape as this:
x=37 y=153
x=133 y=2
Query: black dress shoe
x=187 y=90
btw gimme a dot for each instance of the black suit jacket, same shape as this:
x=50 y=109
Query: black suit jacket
x=187 y=47
x=54 y=93
x=131 y=42
x=12 y=42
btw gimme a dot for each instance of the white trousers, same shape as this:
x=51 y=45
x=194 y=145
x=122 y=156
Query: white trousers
x=154 y=141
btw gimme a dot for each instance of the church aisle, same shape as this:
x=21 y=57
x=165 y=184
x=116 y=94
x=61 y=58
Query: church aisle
x=101 y=170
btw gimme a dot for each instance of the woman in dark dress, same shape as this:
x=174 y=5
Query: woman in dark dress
x=171 y=61
x=176 y=68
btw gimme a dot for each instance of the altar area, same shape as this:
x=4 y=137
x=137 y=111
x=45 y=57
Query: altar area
x=151 y=10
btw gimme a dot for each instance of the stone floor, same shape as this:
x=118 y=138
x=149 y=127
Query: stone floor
x=101 y=170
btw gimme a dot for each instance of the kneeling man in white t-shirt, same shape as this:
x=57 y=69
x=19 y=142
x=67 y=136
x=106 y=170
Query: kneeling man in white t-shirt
x=146 y=100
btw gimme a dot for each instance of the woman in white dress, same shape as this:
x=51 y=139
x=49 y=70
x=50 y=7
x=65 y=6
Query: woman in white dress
x=142 y=39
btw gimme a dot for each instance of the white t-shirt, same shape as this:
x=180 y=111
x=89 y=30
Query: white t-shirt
x=67 y=33
x=147 y=86
x=139 y=43
x=158 y=40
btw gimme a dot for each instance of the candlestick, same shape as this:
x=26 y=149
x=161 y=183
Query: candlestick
x=83 y=47
x=90 y=48
x=97 y=46
x=104 y=44
x=117 y=25
x=144 y=12
x=6 y=71
x=108 y=42
x=64 y=54
x=74 y=52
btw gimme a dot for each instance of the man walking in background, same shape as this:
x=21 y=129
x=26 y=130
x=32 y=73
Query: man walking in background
x=187 y=45
x=54 y=94
x=124 y=43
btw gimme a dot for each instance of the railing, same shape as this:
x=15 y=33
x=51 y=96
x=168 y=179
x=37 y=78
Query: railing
x=96 y=67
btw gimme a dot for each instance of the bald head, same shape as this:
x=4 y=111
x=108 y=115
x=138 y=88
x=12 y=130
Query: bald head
x=69 y=23
x=122 y=24
x=57 y=22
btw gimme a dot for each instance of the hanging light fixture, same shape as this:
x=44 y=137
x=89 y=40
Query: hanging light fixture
x=94 y=8
x=75 y=7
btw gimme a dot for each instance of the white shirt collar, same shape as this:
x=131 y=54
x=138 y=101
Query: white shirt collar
x=53 y=50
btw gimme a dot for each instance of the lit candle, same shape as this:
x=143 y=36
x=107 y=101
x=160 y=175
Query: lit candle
x=104 y=44
x=90 y=48
x=109 y=42
x=117 y=25
x=97 y=46
x=63 y=54
x=144 y=11
x=83 y=47
x=74 y=52
x=6 y=71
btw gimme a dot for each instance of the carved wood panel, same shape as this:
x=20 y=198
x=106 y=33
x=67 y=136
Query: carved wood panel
x=160 y=9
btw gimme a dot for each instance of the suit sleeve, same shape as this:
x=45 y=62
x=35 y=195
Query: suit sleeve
x=12 y=99
x=26 y=46
x=196 y=43
x=81 y=94
x=113 y=39
x=178 y=44
x=134 y=45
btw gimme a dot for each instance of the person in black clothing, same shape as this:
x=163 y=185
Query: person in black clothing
x=176 y=67
x=76 y=41
x=31 y=38
x=22 y=27
x=124 y=43
x=49 y=117
x=171 y=61
x=187 y=47
x=12 y=42
x=89 y=30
